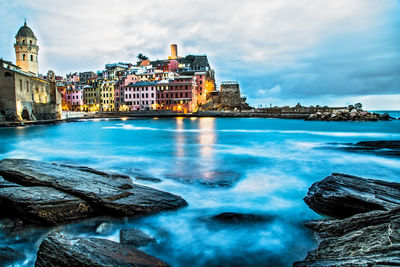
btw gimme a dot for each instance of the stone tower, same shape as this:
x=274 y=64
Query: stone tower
x=26 y=50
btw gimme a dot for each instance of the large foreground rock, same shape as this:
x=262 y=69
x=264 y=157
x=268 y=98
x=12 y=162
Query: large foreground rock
x=60 y=250
x=370 y=237
x=367 y=239
x=41 y=204
x=342 y=195
x=106 y=193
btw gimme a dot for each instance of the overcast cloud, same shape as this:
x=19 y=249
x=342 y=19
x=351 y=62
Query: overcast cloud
x=281 y=52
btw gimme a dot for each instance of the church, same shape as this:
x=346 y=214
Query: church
x=24 y=94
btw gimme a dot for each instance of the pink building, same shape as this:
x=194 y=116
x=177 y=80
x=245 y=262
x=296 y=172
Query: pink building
x=141 y=95
x=119 y=90
x=73 y=97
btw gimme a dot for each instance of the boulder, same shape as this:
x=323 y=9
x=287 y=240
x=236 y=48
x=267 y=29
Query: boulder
x=367 y=239
x=106 y=193
x=342 y=195
x=63 y=250
x=39 y=204
x=135 y=237
x=9 y=255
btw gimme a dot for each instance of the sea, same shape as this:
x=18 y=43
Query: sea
x=218 y=165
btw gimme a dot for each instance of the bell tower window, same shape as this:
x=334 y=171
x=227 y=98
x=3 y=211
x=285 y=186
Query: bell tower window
x=30 y=42
x=23 y=41
x=23 y=57
x=31 y=57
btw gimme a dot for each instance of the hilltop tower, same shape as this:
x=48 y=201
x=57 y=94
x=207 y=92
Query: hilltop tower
x=26 y=50
x=174 y=52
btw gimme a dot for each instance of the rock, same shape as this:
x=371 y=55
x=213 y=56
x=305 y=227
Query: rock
x=41 y=204
x=358 y=106
x=387 y=148
x=379 y=144
x=104 y=228
x=5 y=183
x=312 y=117
x=385 y=116
x=209 y=179
x=135 y=237
x=107 y=194
x=232 y=217
x=342 y=195
x=367 y=239
x=9 y=255
x=63 y=250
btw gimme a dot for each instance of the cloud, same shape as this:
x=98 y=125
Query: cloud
x=306 y=47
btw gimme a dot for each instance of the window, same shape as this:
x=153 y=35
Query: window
x=152 y=95
x=20 y=84
x=30 y=42
x=23 y=56
x=7 y=74
x=23 y=41
x=27 y=86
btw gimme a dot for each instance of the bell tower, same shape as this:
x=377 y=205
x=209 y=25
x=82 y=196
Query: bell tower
x=26 y=50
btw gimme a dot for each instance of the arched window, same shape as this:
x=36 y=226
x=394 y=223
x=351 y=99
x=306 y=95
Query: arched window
x=30 y=41
x=31 y=57
x=23 y=57
x=23 y=41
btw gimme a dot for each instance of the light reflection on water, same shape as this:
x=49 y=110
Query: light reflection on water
x=271 y=164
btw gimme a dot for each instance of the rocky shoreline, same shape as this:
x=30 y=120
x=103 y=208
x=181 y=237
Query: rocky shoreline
x=41 y=193
x=351 y=113
x=364 y=223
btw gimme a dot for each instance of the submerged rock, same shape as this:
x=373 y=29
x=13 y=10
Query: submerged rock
x=209 y=179
x=386 y=148
x=342 y=195
x=63 y=250
x=135 y=237
x=233 y=217
x=106 y=193
x=9 y=255
x=41 y=204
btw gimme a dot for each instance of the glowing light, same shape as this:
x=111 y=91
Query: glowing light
x=124 y=118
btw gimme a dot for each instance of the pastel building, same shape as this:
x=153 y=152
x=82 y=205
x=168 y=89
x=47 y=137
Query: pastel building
x=141 y=95
x=107 y=100
x=119 y=91
x=175 y=94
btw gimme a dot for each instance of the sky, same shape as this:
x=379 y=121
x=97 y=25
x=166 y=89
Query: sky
x=282 y=52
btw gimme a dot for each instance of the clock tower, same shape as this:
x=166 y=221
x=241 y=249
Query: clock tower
x=26 y=50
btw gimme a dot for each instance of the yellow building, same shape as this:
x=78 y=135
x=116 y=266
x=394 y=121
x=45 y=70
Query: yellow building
x=93 y=95
x=107 y=100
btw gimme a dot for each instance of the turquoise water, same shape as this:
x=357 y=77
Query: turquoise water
x=270 y=163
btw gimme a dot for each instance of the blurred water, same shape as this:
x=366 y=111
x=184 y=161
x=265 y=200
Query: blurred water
x=267 y=166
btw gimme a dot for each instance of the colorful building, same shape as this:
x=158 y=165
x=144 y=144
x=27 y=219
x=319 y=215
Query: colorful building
x=175 y=94
x=107 y=100
x=141 y=96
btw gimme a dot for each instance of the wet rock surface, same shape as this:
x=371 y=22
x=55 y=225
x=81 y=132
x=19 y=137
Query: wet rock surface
x=135 y=237
x=5 y=183
x=342 y=195
x=106 y=194
x=54 y=193
x=369 y=238
x=64 y=250
x=39 y=204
